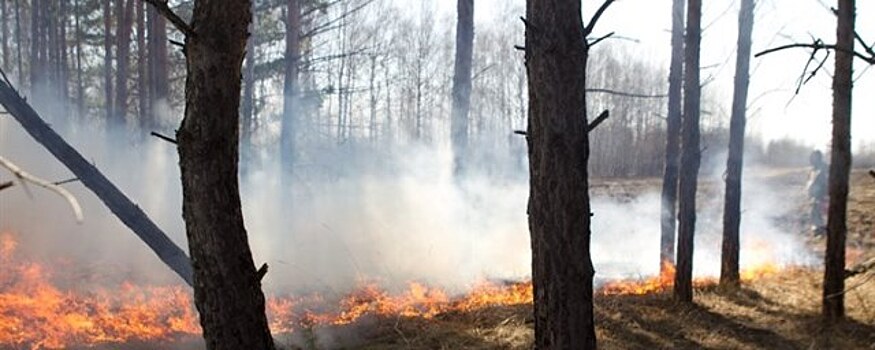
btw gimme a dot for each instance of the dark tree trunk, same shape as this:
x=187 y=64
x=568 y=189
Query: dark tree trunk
x=19 y=43
x=80 y=87
x=143 y=112
x=63 y=59
x=36 y=67
x=247 y=106
x=690 y=156
x=673 y=139
x=559 y=209
x=227 y=289
x=159 y=90
x=840 y=165
x=107 y=60
x=123 y=53
x=734 y=162
x=4 y=34
x=290 y=85
x=462 y=84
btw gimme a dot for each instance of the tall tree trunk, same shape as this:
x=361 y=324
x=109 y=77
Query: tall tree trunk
x=732 y=201
x=372 y=89
x=64 y=65
x=107 y=60
x=143 y=113
x=840 y=165
x=4 y=34
x=80 y=87
x=227 y=288
x=690 y=156
x=672 y=140
x=462 y=84
x=559 y=209
x=159 y=89
x=290 y=84
x=247 y=107
x=36 y=67
x=123 y=53
x=19 y=43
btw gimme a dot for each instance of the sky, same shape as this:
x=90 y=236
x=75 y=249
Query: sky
x=775 y=111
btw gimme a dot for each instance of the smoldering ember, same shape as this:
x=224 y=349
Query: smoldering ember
x=400 y=174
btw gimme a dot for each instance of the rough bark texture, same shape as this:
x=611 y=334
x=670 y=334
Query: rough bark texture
x=107 y=59
x=290 y=84
x=4 y=37
x=668 y=217
x=143 y=113
x=840 y=166
x=690 y=156
x=732 y=199
x=227 y=289
x=247 y=107
x=559 y=209
x=129 y=213
x=158 y=64
x=462 y=84
x=123 y=64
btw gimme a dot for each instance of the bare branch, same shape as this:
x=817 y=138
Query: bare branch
x=598 y=120
x=165 y=138
x=23 y=176
x=596 y=16
x=817 y=46
x=596 y=41
x=164 y=10
x=626 y=94
x=5 y=185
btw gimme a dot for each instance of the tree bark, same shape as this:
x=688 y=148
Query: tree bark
x=247 y=107
x=123 y=64
x=227 y=289
x=80 y=87
x=690 y=156
x=129 y=213
x=143 y=112
x=107 y=60
x=840 y=165
x=4 y=34
x=36 y=67
x=559 y=209
x=159 y=90
x=673 y=139
x=19 y=43
x=290 y=84
x=462 y=84
x=732 y=198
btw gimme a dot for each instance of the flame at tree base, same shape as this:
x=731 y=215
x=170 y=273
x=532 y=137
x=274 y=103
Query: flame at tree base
x=36 y=314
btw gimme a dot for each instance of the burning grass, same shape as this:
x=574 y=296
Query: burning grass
x=777 y=308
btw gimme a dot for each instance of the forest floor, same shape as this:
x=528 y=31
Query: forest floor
x=780 y=311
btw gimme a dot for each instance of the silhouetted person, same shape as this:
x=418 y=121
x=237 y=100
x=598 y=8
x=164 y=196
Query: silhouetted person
x=817 y=192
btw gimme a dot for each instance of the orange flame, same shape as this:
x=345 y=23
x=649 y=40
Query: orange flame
x=35 y=314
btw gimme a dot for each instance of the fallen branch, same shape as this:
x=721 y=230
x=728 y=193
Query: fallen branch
x=24 y=176
x=129 y=213
x=860 y=268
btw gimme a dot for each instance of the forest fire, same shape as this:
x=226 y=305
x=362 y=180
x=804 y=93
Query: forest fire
x=36 y=314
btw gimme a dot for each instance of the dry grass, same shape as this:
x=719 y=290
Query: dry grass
x=775 y=312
